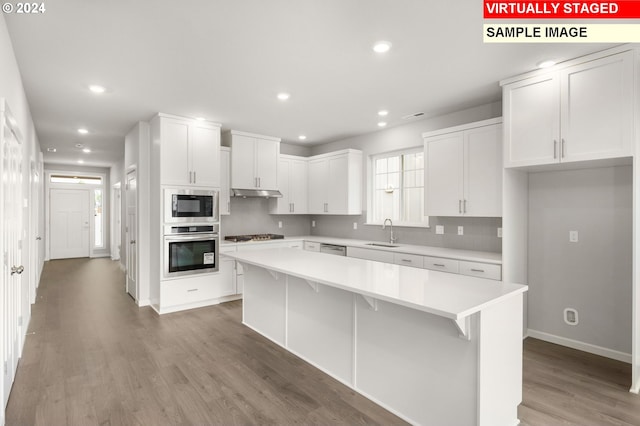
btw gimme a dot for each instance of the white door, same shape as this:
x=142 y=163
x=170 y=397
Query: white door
x=34 y=232
x=318 y=174
x=298 y=177
x=204 y=147
x=69 y=223
x=175 y=152
x=11 y=292
x=266 y=154
x=338 y=194
x=132 y=233
x=444 y=175
x=483 y=172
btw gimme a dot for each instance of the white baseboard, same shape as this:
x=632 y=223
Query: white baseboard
x=581 y=346
x=145 y=302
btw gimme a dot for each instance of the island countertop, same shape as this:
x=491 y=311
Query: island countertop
x=444 y=294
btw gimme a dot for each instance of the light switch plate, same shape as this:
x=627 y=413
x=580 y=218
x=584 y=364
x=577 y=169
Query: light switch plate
x=439 y=229
x=279 y=224
x=573 y=236
x=355 y=225
x=460 y=230
x=499 y=232
x=313 y=223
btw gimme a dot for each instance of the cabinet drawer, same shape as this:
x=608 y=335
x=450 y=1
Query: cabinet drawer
x=408 y=260
x=311 y=246
x=440 y=264
x=295 y=244
x=370 y=254
x=178 y=292
x=482 y=270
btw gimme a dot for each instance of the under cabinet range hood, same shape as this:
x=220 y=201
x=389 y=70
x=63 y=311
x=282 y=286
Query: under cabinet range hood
x=265 y=193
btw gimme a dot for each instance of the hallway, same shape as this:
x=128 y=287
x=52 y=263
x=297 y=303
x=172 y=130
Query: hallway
x=96 y=358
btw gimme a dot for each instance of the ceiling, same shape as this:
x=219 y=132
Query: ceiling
x=227 y=60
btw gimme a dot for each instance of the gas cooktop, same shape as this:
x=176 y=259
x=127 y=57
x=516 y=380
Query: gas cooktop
x=254 y=237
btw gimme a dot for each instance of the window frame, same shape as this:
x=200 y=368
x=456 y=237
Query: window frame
x=371 y=178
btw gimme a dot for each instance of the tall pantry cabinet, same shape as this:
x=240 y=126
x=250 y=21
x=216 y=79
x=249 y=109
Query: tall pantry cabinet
x=562 y=127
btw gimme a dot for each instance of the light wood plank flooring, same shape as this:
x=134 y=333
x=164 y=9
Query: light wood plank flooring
x=96 y=358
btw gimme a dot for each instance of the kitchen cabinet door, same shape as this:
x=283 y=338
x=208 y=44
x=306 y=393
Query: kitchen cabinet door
x=597 y=109
x=532 y=121
x=225 y=283
x=338 y=185
x=266 y=163
x=204 y=149
x=292 y=183
x=318 y=179
x=482 y=182
x=443 y=185
x=243 y=156
x=174 y=167
x=298 y=183
x=225 y=177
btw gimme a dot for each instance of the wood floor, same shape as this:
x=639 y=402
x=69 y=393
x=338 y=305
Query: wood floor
x=95 y=358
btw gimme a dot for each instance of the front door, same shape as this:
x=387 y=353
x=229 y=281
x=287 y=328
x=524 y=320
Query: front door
x=132 y=228
x=69 y=223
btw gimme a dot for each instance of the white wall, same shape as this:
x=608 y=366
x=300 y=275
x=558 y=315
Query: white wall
x=592 y=275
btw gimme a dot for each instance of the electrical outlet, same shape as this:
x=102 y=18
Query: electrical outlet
x=313 y=223
x=573 y=236
x=460 y=230
x=439 y=229
x=355 y=225
x=279 y=224
x=499 y=232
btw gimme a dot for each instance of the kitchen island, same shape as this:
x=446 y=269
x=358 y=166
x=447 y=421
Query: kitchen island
x=432 y=347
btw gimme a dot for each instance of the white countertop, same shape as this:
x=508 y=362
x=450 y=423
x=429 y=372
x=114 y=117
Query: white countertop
x=447 y=253
x=448 y=295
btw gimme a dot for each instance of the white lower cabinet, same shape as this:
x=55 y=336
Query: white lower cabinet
x=441 y=264
x=311 y=246
x=370 y=254
x=476 y=269
x=408 y=259
x=482 y=270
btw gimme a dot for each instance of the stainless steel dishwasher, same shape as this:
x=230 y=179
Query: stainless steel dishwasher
x=333 y=249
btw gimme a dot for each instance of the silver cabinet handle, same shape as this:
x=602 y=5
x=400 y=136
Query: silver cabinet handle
x=17 y=270
x=132 y=242
x=228 y=206
x=406 y=260
x=194 y=177
x=259 y=182
x=255 y=182
x=477 y=270
x=555 y=149
x=326 y=207
x=459 y=206
x=464 y=206
x=192 y=290
x=38 y=238
x=563 y=148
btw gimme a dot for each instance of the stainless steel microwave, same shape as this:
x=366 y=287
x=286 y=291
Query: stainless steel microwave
x=190 y=205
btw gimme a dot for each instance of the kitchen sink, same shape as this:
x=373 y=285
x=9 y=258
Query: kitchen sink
x=381 y=245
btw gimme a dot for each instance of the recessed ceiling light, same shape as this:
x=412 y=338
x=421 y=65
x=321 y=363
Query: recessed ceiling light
x=83 y=131
x=383 y=112
x=546 y=64
x=382 y=124
x=79 y=145
x=86 y=150
x=51 y=150
x=302 y=137
x=283 y=96
x=80 y=161
x=97 y=89
x=381 y=46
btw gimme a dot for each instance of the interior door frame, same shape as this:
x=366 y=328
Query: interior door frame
x=48 y=186
x=127 y=239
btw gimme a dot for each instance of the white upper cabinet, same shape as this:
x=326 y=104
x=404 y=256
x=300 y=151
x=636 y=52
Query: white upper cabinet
x=254 y=160
x=225 y=181
x=580 y=112
x=292 y=183
x=335 y=183
x=189 y=152
x=464 y=170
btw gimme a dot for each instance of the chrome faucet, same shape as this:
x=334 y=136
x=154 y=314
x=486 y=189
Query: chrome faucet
x=391 y=238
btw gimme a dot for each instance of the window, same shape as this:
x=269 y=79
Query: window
x=80 y=180
x=397 y=184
